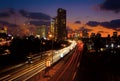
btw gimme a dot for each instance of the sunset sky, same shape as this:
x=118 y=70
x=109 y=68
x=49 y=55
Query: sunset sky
x=94 y=15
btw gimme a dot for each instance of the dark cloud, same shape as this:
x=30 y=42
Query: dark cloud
x=77 y=22
x=4 y=14
x=13 y=25
x=115 y=23
x=36 y=19
x=23 y=13
x=106 y=24
x=113 y=5
x=35 y=15
x=4 y=23
x=12 y=11
x=8 y=24
x=7 y=13
x=112 y=24
x=83 y=28
x=43 y=19
x=38 y=23
x=40 y=16
x=93 y=23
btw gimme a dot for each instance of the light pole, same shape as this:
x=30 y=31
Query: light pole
x=51 y=37
x=52 y=50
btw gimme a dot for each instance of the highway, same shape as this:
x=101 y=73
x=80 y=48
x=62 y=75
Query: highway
x=25 y=71
x=70 y=68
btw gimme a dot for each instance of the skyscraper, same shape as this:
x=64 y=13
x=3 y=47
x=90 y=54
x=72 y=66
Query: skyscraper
x=53 y=28
x=61 y=24
x=42 y=31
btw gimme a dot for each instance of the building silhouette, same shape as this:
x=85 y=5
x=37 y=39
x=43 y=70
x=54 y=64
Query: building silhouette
x=61 y=31
x=92 y=35
x=58 y=25
x=115 y=34
x=85 y=34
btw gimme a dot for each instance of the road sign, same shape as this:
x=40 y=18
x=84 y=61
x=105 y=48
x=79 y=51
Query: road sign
x=48 y=63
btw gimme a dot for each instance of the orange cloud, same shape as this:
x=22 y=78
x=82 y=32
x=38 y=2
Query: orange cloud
x=74 y=26
x=97 y=29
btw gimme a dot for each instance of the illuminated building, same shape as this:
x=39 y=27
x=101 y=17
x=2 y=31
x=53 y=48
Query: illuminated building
x=3 y=30
x=3 y=33
x=61 y=31
x=58 y=25
x=76 y=35
x=85 y=34
x=42 y=31
x=53 y=31
x=52 y=27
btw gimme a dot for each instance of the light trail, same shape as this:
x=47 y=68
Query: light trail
x=68 y=71
x=31 y=70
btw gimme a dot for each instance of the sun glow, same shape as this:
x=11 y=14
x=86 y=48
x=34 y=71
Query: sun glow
x=104 y=31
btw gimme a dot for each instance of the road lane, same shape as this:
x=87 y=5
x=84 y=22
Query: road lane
x=25 y=71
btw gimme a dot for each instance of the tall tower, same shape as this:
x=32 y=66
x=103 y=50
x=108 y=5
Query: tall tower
x=52 y=27
x=61 y=24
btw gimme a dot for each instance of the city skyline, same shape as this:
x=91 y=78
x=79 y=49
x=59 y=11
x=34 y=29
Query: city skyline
x=96 y=16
